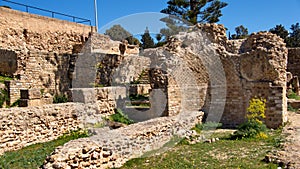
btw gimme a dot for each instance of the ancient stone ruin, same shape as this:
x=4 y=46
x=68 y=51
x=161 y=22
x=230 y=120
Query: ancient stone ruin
x=197 y=75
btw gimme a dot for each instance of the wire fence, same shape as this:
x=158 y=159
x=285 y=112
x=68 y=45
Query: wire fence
x=53 y=14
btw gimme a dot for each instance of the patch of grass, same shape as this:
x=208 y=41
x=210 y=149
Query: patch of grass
x=120 y=117
x=60 y=99
x=293 y=95
x=246 y=153
x=207 y=126
x=33 y=156
x=133 y=97
x=5 y=78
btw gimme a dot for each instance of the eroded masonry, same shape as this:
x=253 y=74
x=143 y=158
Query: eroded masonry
x=196 y=74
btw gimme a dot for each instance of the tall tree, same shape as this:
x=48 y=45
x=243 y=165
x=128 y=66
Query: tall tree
x=118 y=33
x=147 y=40
x=196 y=11
x=294 y=39
x=241 y=33
x=133 y=41
x=280 y=31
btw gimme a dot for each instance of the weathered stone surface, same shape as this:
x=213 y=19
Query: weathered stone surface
x=223 y=76
x=21 y=127
x=108 y=149
x=8 y=62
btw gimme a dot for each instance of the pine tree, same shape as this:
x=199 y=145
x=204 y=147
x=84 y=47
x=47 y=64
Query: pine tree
x=192 y=10
x=280 y=31
x=294 y=39
x=147 y=40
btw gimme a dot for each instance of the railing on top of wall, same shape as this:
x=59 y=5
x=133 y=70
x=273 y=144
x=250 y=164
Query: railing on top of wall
x=74 y=18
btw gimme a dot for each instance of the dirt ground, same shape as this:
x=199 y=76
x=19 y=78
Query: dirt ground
x=291 y=147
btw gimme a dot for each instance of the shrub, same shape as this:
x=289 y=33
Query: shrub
x=60 y=99
x=254 y=126
x=120 y=117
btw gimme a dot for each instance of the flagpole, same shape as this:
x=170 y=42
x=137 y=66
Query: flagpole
x=96 y=15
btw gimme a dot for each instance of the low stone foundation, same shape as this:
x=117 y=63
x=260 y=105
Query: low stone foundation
x=108 y=149
x=20 y=127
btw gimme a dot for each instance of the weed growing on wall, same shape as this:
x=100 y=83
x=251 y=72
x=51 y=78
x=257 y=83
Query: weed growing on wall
x=254 y=126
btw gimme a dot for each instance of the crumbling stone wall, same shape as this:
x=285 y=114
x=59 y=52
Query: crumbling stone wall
x=256 y=68
x=43 y=48
x=24 y=126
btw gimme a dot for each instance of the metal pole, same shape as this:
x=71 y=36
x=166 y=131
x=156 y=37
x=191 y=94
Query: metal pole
x=96 y=15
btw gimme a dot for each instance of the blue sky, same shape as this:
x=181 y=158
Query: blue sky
x=256 y=15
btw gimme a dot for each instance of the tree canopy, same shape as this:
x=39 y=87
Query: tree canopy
x=147 y=40
x=196 y=11
x=292 y=39
x=241 y=33
x=118 y=33
x=280 y=31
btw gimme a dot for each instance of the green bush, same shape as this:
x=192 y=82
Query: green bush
x=253 y=127
x=120 y=117
x=60 y=99
x=250 y=129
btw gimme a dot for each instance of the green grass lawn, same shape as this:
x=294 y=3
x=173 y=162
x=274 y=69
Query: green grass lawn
x=33 y=156
x=231 y=154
